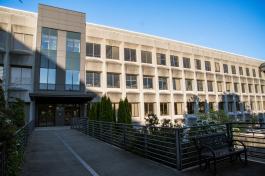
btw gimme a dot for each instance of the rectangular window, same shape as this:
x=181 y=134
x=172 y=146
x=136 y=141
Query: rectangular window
x=250 y=88
x=211 y=106
x=134 y=108
x=247 y=72
x=113 y=80
x=22 y=41
x=188 y=83
x=174 y=60
x=72 y=76
x=207 y=65
x=240 y=70
x=190 y=107
x=93 y=50
x=217 y=67
x=230 y=106
x=131 y=81
x=236 y=87
x=233 y=68
x=202 y=107
x=198 y=64
x=200 y=85
x=164 y=109
x=176 y=84
x=162 y=83
x=130 y=54
x=148 y=108
x=161 y=59
x=228 y=86
x=21 y=77
x=210 y=86
x=112 y=52
x=221 y=106
x=225 y=68
x=148 y=82
x=262 y=88
x=186 y=62
x=146 y=57
x=254 y=72
x=219 y=87
x=93 y=79
x=256 y=88
x=178 y=106
x=243 y=87
x=48 y=59
x=260 y=74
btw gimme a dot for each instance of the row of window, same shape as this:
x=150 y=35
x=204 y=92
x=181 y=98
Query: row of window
x=113 y=81
x=112 y=52
x=48 y=60
x=149 y=108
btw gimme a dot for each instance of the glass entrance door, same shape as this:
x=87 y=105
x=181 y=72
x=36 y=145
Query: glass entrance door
x=70 y=111
x=46 y=115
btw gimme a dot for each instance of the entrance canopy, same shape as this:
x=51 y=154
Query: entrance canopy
x=61 y=98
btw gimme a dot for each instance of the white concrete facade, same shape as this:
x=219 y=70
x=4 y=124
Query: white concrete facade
x=108 y=36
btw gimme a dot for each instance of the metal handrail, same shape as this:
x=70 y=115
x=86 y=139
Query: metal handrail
x=21 y=137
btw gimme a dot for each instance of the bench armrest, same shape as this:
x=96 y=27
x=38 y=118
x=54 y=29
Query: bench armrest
x=210 y=149
x=240 y=143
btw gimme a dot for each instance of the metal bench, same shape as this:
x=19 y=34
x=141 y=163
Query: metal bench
x=215 y=147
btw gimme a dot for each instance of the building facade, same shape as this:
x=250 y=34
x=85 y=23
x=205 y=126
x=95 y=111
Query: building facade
x=59 y=64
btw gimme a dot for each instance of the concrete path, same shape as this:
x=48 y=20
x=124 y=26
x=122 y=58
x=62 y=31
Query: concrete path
x=62 y=152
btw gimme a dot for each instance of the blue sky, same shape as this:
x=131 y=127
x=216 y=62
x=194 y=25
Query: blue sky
x=236 y=26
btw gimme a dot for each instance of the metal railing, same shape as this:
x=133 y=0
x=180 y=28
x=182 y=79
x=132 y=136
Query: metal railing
x=20 y=138
x=171 y=146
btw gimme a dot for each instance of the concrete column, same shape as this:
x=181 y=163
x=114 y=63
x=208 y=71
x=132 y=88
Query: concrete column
x=155 y=82
x=6 y=61
x=140 y=84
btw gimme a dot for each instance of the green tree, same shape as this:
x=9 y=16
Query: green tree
x=17 y=113
x=92 y=114
x=124 y=112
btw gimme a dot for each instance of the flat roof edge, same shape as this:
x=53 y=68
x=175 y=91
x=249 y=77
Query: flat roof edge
x=18 y=10
x=176 y=41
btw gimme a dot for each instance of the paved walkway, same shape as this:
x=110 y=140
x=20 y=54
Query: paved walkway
x=63 y=152
x=60 y=151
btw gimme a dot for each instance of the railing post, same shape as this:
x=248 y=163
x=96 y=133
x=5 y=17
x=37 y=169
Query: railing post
x=87 y=127
x=145 y=141
x=111 y=131
x=178 y=149
x=124 y=138
x=229 y=130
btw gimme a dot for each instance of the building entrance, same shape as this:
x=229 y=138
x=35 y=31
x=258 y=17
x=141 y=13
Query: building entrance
x=57 y=114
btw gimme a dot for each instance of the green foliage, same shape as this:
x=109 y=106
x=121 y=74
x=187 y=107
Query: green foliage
x=151 y=120
x=11 y=118
x=124 y=112
x=102 y=110
x=166 y=123
x=17 y=113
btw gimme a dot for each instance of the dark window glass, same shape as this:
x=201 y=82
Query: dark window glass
x=112 y=52
x=233 y=68
x=186 y=62
x=247 y=72
x=146 y=57
x=225 y=68
x=240 y=70
x=207 y=65
x=93 y=79
x=198 y=64
x=254 y=72
x=174 y=61
x=113 y=80
x=236 y=87
x=188 y=83
x=190 y=107
x=164 y=109
x=161 y=59
x=162 y=83
x=200 y=85
x=148 y=82
x=131 y=81
x=210 y=86
x=148 y=108
x=129 y=54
